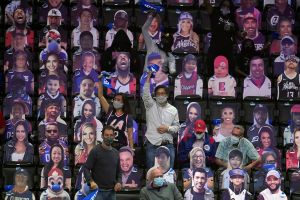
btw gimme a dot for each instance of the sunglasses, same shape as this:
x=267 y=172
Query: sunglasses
x=54 y=131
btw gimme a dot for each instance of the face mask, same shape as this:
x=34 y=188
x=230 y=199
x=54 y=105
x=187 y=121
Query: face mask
x=225 y=10
x=199 y=136
x=234 y=139
x=159 y=181
x=56 y=188
x=161 y=100
x=117 y=104
x=108 y=141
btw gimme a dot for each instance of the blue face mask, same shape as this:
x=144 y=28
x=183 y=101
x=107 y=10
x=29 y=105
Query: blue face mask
x=159 y=181
x=56 y=187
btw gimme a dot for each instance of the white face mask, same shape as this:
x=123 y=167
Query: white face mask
x=117 y=104
x=234 y=139
x=161 y=100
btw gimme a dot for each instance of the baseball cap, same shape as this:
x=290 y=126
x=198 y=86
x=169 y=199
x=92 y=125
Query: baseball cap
x=153 y=56
x=260 y=107
x=185 y=15
x=162 y=149
x=199 y=126
x=249 y=16
x=295 y=108
x=237 y=172
x=121 y=14
x=273 y=173
x=54 y=13
x=292 y=58
x=220 y=61
x=287 y=40
x=126 y=149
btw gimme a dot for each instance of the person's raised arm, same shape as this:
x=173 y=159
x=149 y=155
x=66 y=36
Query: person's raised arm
x=103 y=101
x=147 y=38
x=148 y=100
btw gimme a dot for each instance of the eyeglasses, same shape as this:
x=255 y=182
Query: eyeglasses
x=50 y=130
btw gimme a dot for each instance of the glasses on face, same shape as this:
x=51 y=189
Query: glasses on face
x=52 y=131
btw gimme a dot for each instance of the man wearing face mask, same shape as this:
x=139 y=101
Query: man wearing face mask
x=273 y=191
x=237 y=141
x=157 y=188
x=102 y=168
x=162 y=122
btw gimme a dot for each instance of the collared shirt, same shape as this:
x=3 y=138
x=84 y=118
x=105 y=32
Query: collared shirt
x=245 y=146
x=156 y=116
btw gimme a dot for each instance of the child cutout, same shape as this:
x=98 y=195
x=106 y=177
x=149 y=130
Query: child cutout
x=235 y=161
x=52 y=94
x=188 y=82
x=221 y=83
x=236 y=190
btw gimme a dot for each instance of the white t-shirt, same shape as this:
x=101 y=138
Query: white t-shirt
x=17 y=156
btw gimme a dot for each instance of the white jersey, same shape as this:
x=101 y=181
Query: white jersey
x=250 y=89
x=169 y=176
x=240 y=196
x=269 y=196
x=78 y=102
x=224 y=86
x=110 y=35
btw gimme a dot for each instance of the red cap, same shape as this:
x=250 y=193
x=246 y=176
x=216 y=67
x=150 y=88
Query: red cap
x=221 y=61
x=295 y=108
x=199 y=126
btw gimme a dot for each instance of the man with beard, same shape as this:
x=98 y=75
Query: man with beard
x=52 y=114
x=260 y=119
x=53 y=136
x=273 y=191
x=257 y=84
x=18 y=44
x=17 y=114
x=288 y=83
x=53 y=22
x=236 y=189
x=86 y=92
x=19 y=26
x=13 y=5
x=122 y=80
x=46 y=7
x=131 y=176
x=198 y=191
x=288 y=136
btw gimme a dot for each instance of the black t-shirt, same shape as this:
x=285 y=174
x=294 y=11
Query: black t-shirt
x=198 y=195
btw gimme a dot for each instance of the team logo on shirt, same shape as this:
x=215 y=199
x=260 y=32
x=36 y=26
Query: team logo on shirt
x=289 y=86
x=274 y=20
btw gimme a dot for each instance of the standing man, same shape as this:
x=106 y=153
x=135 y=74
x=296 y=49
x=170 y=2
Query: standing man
x=237 y=141
x=102 y=168
x=198 y=191
x=162 y=122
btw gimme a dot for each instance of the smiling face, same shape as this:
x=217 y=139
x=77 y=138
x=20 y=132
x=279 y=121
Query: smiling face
x=227 y=115
x=285 y=28
x=193 y=114
x=52 y=63
x=250 y=26
x=273 y=183
x=186 y=26
x=190 y=66
x=20 y=133
x=199 y=181
x=87 y=110
x=265 y=139
x=88 y=135
x=52 y=86
x=126 y=161
x=52 y=111
x=17 y=111
x=88 y=64
x=235 y=162
x=198 y=159
x=154 y=25
x=85 y=18
x=56 y=155
x=257 y=68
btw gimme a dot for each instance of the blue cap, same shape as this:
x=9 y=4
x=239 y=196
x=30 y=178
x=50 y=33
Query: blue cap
x=236 y=172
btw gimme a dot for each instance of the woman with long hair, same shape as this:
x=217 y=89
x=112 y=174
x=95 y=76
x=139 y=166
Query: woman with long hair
x=88 y=115
x=118 y=116
x=293 y=154
x=18 y=149
x=225 y=128
x=88 y=142
x=56 y=161
x=185 y=39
